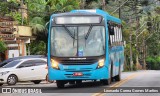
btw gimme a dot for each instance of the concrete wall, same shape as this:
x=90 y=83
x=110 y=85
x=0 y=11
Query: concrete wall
x=23 y=30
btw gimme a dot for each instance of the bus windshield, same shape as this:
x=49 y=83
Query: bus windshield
x=79 y=41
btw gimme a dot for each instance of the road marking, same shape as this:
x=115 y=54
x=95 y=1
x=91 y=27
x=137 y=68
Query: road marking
x=101 y=93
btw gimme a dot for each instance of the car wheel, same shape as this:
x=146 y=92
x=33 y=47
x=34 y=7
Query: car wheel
x=60 y=84
x=12 y=80
x=36 y=81
x=1 y=84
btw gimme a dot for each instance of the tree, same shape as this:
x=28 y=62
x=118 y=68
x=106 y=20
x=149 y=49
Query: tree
x=3 y=46
x=63 y=5
x=38 y=48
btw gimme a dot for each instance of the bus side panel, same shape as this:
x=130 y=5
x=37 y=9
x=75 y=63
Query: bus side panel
x=117 y=59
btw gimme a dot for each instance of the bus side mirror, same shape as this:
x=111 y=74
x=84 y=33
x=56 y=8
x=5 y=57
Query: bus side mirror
x=124 y=43
x=46 y=28
x=46 y=33
x=111 y=30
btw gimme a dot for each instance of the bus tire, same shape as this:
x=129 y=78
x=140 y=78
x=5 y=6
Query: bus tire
x=118 y=77
x=106 y=81
x=60 y=84
x=71 y=82
x=79 y=82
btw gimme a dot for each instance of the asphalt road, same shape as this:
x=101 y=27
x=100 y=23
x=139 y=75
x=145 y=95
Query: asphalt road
x=149 y=78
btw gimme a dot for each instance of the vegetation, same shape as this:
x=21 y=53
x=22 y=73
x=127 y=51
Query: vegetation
x=38 y=48
x=3 y=46
x=153 y=63
x=143 y=15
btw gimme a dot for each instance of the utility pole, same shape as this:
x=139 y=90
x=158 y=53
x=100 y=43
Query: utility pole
x=119 y=10
x=104 y=5
x=144 y=55
x=119 y=7
x=83 y=4
x=131 y=61
x=137 y=35
x=137 y=26
x=21 y=6
x=27 y=12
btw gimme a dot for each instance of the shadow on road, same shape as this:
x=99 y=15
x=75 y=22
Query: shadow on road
x=85 y=87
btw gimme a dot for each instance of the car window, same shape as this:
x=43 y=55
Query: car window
x=11 y=64
x=2 y=64
x=31 y=63
x=40 y=62
x=28 y=63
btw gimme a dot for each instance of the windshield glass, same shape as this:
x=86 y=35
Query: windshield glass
x=78 y=41
x=11 y=64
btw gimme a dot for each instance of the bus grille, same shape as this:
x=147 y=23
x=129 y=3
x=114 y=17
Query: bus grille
x=78 y=69
x=77 y=62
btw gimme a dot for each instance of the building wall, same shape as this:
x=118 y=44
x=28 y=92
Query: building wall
x=23 y=30
x=16 y=37
x=22 y=35
x=13 y=53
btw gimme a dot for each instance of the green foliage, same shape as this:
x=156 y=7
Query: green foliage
x=157 y=10
x=37 y=24
x=63 y=5
x=3 y=47
x=37 y=48
x=153 y=63
x=4 y=8
x=18 y=17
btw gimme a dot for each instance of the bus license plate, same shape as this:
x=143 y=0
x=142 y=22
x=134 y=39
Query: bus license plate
x=77 y=74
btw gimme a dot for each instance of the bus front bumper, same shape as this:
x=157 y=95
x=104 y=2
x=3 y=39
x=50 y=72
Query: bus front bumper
x=97 y=74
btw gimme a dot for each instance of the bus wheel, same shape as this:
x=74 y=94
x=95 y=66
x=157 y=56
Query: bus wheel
x=118 y=77
x=60 y=84
x=71 y=82
x=79 y=82
x=106 y=81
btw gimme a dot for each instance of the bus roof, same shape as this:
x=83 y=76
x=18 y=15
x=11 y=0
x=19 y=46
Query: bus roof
x=75 y=13
x=100 y=12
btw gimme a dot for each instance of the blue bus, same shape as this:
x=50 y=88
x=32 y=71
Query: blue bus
x=84 y=45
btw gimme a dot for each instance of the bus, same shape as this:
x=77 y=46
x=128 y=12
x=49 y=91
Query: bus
x=84 y=45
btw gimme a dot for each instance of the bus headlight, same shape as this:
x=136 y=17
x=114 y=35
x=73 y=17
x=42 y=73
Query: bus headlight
x=100 y=63
x=54 y=64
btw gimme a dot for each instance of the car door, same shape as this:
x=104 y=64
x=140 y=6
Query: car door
x=40 y=69
x=26 y=71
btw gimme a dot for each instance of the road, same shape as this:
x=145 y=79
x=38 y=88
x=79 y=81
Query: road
x=149 y=78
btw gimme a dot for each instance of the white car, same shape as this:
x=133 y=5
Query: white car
x=30 y=69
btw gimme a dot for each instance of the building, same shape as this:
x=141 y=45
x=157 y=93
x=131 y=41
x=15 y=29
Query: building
x=16 y=37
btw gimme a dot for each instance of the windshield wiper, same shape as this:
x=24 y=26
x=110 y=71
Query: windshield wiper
x=70 y=34
x=89 y=30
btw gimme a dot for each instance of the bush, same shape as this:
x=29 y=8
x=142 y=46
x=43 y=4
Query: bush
x=153 y=63
x=3 y=46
